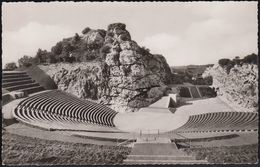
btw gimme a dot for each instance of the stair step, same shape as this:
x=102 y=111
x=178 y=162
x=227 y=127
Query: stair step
x=156 y=149
x=32 y=89
x=24 y=86
x=5 y=73
x=9 y=84
x=15 y=79
x=14 y=76
x=159 y=157
x=165 y=161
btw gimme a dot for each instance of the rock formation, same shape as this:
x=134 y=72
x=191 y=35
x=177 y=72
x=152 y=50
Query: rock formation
x=239 y=86
x=126 y=78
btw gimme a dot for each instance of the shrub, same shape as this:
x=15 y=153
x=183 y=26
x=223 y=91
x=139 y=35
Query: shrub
x=224 y=62
x=105 y=49
x=26 y=61
x=68 y=47
x=57 y=49
x=50 y=58
x=102 y=32
x=116 y=25
x=237 y=60
x=10 y=66
x=124 y=37
x=86 y=30
x=250 y=59
x=144 y=51
x=76 y=38
x=93 y=46
x=110 y=34
x=41 y=56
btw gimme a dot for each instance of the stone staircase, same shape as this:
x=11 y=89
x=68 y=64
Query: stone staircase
x=161 y=152
x=20 y=81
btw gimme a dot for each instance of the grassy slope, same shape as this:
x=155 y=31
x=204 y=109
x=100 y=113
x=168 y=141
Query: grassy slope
x=19 y=150
x=233 y=154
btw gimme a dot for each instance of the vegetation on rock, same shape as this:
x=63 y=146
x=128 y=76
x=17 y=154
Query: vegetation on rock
x=127 y=73
x=238 y=83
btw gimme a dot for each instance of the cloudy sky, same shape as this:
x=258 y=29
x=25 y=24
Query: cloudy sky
x=185 y=33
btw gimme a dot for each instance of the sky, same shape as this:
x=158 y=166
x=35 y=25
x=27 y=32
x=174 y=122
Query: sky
x=183 y=32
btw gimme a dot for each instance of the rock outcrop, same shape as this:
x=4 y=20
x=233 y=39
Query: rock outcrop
x=239 y=86
x=127 y=77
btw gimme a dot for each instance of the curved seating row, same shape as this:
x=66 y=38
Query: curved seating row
x=61 y=108
x=220 y=121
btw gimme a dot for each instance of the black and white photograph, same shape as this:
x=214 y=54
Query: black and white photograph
x=129 y=83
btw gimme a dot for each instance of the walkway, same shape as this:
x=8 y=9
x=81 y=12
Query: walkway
x=160 y=152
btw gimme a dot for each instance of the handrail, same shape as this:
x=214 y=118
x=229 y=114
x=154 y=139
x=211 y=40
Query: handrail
x=119 y=144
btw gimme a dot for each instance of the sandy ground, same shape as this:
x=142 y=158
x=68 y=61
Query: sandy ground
x=152 y=120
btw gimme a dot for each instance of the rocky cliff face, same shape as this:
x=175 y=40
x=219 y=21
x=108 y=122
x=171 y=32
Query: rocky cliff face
x=127 y=77
x=239 y=86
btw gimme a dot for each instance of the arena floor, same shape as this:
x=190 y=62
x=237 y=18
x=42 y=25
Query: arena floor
x=150 y=120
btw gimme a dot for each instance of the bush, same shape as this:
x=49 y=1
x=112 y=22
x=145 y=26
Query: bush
x=57 y=49
x=237 y=60
x=86 y=30
x=110 y=34
x=93 y=46
x=224 y=62
x=10 y=66
x=227 y=154
x=250 y=59
x=124 y=37
x=102 y=32
x=26 y=61
x=41 y=56
x=105 y=49
x=50 y=58
x=116 y=25
x=144 y=51
x=76 y=38
x=21 y=150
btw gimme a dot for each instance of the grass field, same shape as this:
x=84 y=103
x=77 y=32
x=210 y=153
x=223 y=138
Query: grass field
x=245 y=154
x=20 y=150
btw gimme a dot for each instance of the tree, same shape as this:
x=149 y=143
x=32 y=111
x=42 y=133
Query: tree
x=50 y=58
x=76 y=38
x=10 y=66
x=144 y=51
x=41 y=56
x=237 y=60
x=26 y=61
x=224 y=62
x=250 y=59
x=227 y=64
x=57 y=49
x=86 y=30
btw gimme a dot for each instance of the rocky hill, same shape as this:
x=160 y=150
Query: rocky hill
x=238 y=85
x=117 y=71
